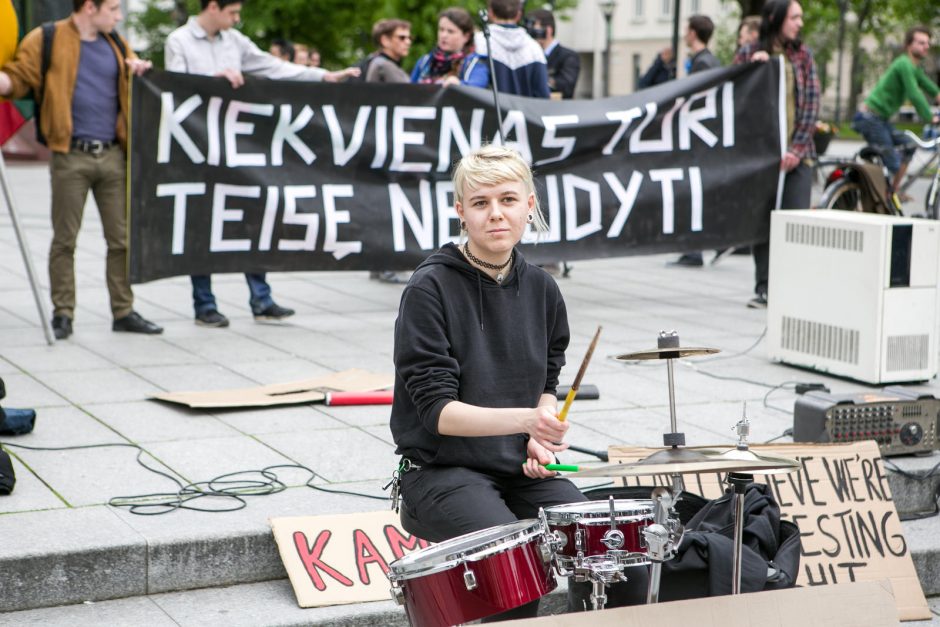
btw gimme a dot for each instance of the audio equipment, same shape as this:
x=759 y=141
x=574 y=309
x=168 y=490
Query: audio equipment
x=854 y=294
x=900 y=420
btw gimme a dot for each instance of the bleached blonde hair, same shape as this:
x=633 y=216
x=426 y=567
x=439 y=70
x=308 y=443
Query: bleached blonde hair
x=492 y=165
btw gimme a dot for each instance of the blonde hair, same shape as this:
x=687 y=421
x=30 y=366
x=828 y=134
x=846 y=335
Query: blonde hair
x=491 y=165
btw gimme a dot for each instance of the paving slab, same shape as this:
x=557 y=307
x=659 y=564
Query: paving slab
x=93 y=388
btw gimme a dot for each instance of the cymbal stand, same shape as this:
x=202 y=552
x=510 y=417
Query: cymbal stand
x=662 y=538
x=674 y=439
x=739 y=482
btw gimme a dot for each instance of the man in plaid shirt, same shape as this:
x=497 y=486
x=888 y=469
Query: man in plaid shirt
x=781 y=22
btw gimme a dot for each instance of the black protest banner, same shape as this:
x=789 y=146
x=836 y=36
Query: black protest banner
x=840 y=499
x=298 y=176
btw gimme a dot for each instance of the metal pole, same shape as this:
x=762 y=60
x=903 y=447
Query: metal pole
x=843 y=5
x=608 y=15
x=485 y=20
x=675 y=38
x=739 y=482
x=24 y=250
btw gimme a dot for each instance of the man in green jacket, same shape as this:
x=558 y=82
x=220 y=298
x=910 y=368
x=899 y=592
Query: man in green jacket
x=904 y=81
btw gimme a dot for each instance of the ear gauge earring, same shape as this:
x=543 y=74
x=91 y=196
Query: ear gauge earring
x=530 y=218
x=463 y=225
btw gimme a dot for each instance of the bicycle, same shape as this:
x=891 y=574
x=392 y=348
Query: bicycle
x=845 y=190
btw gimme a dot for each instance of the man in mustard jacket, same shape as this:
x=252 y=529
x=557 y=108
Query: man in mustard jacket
x=83 y=117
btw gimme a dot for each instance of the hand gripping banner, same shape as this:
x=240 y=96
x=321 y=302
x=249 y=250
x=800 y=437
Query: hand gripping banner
x=281 y=175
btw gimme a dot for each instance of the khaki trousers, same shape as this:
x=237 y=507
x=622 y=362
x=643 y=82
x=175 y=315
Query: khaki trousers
x=73 y=175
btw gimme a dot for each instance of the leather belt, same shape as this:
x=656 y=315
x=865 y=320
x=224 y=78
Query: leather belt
x=91 y=146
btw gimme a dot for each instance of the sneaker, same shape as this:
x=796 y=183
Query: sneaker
x=689 y=260
x=274 y=312
x=135 y=323
x=211 y=318
x=758 y=302
x=390 y=276
x=61 y=327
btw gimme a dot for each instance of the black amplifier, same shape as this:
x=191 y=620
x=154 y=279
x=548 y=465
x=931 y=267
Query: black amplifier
x=901 y=421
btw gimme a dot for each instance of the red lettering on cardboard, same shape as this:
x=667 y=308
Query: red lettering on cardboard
x=398 y=542
x=366 y=554
x=312 y=562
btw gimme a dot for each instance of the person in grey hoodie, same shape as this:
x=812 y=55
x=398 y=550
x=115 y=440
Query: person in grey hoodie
x=479 y=342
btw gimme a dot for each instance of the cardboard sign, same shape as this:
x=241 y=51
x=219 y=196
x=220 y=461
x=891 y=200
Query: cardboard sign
x=841 y=501
x=307 y=391
x=332 y=560
x=850 y=605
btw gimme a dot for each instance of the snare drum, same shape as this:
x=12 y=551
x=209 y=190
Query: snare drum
x=585 y=528
x=475 y=575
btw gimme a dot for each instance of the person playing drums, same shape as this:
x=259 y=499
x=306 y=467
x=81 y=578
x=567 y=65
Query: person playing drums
x=479 y=342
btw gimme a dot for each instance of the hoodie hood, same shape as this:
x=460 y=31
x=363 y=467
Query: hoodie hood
x=512 y=45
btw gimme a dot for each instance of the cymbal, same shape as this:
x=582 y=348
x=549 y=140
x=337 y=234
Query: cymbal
x=667 y=353
x=683 y=461
x=785 y=464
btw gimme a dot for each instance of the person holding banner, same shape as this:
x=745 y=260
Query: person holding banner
x=209 y=45
x=479 y=342
x=83 y=118
x=781 y=22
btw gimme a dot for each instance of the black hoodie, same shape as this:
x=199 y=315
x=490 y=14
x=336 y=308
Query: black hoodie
x=462 y=336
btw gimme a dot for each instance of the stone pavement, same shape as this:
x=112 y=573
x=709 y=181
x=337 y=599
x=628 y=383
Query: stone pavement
x=63 y=545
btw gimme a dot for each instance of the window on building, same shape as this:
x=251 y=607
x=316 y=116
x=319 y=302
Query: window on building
x=667 y=7
x=695 y=6
x=638 y=9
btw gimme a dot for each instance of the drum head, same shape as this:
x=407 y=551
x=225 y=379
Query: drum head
x=598 y=512
x=466 y=548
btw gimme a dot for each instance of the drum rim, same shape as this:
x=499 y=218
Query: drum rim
x=567 y=513
x=405 y=567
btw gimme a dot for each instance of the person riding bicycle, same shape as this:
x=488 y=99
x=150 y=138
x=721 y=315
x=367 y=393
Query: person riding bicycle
x=904 y=80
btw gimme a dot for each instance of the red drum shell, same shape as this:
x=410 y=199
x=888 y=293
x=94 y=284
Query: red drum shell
x=592 y=518
x=514 y=575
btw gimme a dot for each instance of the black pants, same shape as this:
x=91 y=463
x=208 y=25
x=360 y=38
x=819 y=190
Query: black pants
x=443 y=502
x=797 y=192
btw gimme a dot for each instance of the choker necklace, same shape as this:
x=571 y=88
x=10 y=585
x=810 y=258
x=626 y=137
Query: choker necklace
x=488 y=265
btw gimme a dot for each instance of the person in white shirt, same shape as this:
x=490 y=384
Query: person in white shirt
x=209 y=45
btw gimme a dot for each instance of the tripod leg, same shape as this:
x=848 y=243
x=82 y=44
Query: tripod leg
x=24 y=250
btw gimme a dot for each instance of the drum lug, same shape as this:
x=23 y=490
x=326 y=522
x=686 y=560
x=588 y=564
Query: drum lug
x=613 y=539
x=398 y=595
x=559 y=540
x=469 y=579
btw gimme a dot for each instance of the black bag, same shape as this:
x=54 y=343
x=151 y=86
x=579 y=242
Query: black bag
x=7 y=476
x=16 y=421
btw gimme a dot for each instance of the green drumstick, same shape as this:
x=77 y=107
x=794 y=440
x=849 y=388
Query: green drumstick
x=561 y=467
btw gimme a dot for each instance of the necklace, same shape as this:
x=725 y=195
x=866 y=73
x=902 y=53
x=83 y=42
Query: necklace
x=488 y=265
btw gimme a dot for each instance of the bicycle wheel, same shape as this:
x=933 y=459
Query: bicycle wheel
x=842 y=194
x=932 y=201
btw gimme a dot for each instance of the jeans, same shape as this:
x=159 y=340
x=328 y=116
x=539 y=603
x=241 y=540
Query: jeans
x=258 y=288
x=893 y=145
x=797 y=189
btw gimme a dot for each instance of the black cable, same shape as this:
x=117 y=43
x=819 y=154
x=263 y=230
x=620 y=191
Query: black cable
x=233 y=486
x=740 y=354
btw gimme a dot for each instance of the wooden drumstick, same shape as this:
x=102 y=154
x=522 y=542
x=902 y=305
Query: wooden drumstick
x=577 y=380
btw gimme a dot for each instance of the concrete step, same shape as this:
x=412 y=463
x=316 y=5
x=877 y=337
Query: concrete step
x=265 y=604
x=913 y=491
x=60 y=557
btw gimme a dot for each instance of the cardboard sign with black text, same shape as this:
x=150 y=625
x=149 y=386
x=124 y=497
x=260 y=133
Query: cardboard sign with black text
x=841 y=501
x=332 y=560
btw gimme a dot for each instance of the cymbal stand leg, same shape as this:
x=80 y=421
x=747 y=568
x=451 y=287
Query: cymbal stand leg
x=739 y=482
x=652 y=592
x=672 y=396
x=657 y=540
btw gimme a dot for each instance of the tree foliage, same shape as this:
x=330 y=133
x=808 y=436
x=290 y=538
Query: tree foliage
x=339 y=29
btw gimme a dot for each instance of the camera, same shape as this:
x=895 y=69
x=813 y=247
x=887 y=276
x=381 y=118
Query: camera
x=535 y=33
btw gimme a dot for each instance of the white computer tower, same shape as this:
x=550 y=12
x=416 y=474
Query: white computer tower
x=854 y=294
